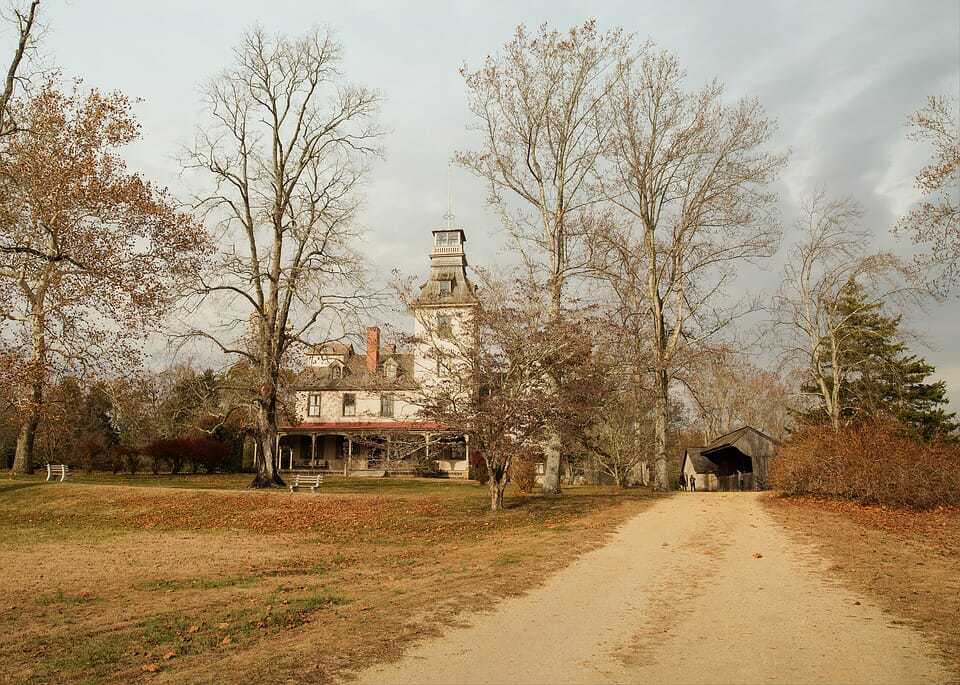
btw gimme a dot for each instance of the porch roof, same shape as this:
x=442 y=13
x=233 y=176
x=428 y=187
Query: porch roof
x=371 y=426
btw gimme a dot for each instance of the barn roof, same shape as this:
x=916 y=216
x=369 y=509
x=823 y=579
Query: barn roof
x=700 y=463
x=732 y=437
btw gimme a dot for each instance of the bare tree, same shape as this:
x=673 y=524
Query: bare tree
x=286 y=151
x=730 y=391
x=620 y=435
x=91 y=253
x=538 y=107
x=25 y=26
x=831 y=254
x=494 y=380
x=689 y=182
x=935 y=220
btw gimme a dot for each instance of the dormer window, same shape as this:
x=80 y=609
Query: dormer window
x=446 y=288
x=390 y=369
x=337 y=369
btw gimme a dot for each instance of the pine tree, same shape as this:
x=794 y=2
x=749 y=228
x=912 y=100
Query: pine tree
x=883 y=377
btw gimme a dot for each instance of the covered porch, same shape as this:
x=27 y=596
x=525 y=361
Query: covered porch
x=374 y=451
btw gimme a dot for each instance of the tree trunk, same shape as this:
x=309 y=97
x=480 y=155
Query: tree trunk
x=551 y=467
x=23 y=460
x=268 y=473
x=497 y=486
x=660 y=433
x=554 y=445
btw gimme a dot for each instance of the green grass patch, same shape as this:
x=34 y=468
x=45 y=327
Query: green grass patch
x=508 y=559
x=217 y=582
x=99 y=655
x=73 y=599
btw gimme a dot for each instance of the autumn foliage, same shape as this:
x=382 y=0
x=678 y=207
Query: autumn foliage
x=871 y=462
x=523 y=473
x=206 y=453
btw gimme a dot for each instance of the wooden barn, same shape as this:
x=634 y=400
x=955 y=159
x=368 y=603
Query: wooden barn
x=735 y=461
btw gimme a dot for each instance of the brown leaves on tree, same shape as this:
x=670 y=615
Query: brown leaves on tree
x=90 y=253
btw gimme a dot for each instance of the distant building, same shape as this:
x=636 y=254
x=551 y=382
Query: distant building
x=735 y=461
x=357 y=411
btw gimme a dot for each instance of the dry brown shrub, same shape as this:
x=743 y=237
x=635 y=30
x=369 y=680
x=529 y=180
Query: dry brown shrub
x=872 y=462
x=523 y=474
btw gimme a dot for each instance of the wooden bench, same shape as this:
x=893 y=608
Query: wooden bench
x=302 y=481
x=58 y=471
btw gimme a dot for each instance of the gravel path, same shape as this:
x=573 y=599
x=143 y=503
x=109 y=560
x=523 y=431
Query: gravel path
x=701 y=588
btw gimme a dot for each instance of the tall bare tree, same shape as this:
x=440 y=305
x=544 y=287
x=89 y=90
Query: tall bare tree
x=286 y=150
x=689 y=184
x=935 y=221
x=91 y=253
x=538 y=107
x=25 y=27
x=833 y=252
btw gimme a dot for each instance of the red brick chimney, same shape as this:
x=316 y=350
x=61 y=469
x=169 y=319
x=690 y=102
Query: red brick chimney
x=373 y=349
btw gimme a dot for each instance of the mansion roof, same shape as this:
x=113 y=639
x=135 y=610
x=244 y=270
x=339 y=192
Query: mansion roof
x=352 y=374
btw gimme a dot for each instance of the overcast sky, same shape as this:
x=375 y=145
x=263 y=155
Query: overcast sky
x=841 y=78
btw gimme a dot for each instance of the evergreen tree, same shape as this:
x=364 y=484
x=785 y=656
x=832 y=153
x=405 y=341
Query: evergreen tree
x=883 y=377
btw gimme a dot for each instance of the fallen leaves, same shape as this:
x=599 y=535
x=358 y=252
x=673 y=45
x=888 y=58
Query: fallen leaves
x=151 y=668
x=757 y=555
x=935 y=525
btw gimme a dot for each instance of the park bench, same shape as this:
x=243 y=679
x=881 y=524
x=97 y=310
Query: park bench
x=302 y=481
x=59 y=471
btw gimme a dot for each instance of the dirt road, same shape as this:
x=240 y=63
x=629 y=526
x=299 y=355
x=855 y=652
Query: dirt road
x=701 y=588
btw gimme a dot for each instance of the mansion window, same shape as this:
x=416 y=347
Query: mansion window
x=446 y=287
x=451 y=238
x=313 y=404
x=349 y=404
x=444 y=326
x=386 y=405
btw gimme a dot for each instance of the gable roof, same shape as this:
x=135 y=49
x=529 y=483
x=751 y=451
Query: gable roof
x=732 y=437
x=700 y=463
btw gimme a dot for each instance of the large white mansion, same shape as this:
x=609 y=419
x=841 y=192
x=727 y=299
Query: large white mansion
x=357 y=412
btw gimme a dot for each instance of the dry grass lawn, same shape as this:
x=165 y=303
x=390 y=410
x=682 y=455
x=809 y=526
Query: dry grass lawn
x=155 y=579
x=908 y=561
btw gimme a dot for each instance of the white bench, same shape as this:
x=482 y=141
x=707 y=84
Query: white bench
x=58 y=471
x=302 y=481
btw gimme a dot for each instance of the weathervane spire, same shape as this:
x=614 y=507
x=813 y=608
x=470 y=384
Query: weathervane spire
x=449 y=215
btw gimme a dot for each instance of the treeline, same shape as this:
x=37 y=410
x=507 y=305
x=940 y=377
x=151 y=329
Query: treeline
x=158 y=422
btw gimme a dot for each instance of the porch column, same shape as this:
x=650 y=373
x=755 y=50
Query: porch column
x=348 y=465
x=426 y=440
x=278 y=460
x=466 y=449
x=313 y=449
x=387 y=460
